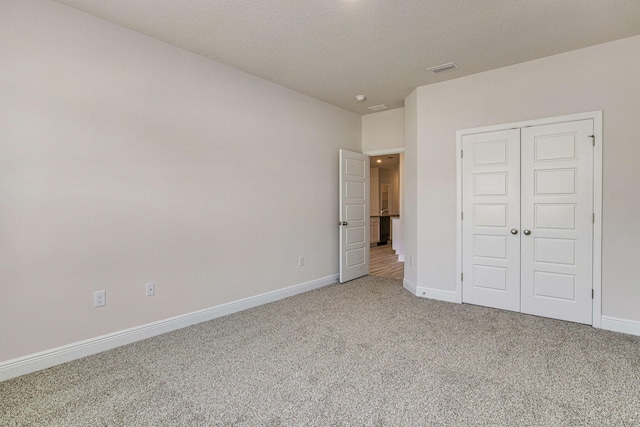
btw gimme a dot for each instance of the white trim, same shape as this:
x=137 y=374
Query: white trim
x=55 y=356
x=438 y=294
x=535 y=122
x=459 y=205
x=383 y=152
x=597 y=226
x=596 y=116
x=400 y=257
x=625 y=326
x=409 y=286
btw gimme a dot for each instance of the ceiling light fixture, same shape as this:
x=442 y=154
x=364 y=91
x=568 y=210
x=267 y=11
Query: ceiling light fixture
x=450 y=66
x=361 y=98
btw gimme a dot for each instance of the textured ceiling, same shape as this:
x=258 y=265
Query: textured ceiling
x=335 y=49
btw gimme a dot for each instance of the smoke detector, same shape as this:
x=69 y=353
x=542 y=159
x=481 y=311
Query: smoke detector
x=450 y=66
x=361 y=98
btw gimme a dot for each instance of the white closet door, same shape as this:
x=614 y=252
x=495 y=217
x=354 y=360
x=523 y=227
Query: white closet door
x=491 y=208
x=557 y=224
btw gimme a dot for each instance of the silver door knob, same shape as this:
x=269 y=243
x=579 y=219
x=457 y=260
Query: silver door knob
x=527 y=232
x=514 y=231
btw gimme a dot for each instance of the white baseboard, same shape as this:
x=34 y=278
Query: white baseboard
x=440 y=295
x=437 y=294
x=409 y=286
x=631 y=327
x=45 y=359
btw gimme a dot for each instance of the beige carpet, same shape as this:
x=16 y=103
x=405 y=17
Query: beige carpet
x=364 y=353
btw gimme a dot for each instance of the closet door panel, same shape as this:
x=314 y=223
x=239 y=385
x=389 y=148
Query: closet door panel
x=557 y=225
x=491 y=207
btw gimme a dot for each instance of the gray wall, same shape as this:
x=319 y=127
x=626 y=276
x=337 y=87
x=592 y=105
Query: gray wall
x=124 y=160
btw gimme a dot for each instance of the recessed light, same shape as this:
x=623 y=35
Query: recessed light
x=449 y=66
x=379 y=161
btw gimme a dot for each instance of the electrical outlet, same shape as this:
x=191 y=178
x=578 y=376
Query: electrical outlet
x=99 y=298
x=150 y=289
x=301 y=261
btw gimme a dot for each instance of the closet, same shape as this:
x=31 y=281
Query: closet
x=527 y=219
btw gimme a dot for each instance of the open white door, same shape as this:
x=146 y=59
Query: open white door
x=354 y=215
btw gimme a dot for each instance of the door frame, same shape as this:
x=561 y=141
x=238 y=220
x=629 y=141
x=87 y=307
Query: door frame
x=596 y=116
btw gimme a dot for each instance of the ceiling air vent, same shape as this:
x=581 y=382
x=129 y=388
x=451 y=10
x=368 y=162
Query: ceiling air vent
x=378 y=107
x=444 y=67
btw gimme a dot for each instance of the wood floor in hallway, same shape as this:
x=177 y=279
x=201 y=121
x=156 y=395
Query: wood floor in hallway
x=384 y=262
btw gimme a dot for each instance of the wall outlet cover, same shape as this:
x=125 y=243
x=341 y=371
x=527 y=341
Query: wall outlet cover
x=100 y=298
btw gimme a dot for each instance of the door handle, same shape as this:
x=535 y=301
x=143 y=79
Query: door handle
x=343 y=223
x=514 y=231
x=527 y=232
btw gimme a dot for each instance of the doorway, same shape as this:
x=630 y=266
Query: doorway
x=361 y=214
x=386 y=249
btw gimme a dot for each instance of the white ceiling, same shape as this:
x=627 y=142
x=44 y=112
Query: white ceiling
x=334 y=50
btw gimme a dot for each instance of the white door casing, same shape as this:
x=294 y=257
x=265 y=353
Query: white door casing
x=354 y=215
x=557 y=220
x=491 y=206
x=559 y=228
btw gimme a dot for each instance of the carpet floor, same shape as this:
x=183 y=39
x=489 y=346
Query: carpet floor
x=363 y=353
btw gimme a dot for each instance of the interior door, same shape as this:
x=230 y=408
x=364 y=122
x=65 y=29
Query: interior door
x=557 y=221
x=354 y=215
x=491 y=219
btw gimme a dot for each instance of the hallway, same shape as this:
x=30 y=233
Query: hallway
x=383 y=262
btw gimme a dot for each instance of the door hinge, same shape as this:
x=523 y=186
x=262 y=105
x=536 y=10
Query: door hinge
x=593 y=218
x=461 y=216
x=592 y=294
x=461 y=277
x=593 y=137
x=461 y=154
